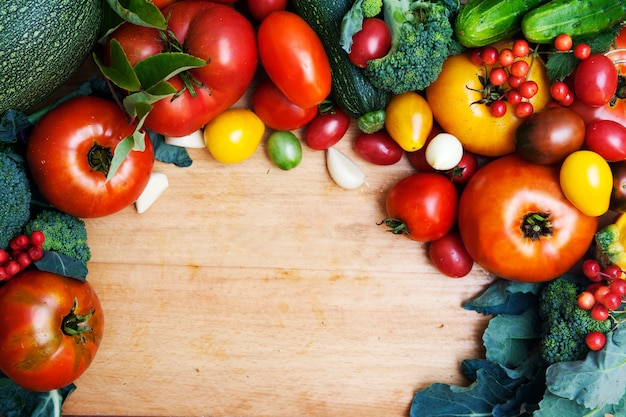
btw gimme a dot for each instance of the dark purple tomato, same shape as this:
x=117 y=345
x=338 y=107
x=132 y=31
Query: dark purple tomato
x=608 y=139
x=450 y=256
x=326 y=129
x=618 y=196
x=371 y=42
x=549 y=135
x=378 y=148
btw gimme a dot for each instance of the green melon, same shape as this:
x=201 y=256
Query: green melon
x=42 y=44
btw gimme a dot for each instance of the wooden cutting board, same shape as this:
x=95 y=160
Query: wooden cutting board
x=250 y=291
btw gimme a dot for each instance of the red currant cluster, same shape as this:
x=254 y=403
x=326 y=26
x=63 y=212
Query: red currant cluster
x=559 y=90
x=509 y=67
x=22 y=251
x=604 y=295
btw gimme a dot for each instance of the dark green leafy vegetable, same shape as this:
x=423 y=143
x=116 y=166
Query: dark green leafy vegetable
x=15 y=196
x=16 y=401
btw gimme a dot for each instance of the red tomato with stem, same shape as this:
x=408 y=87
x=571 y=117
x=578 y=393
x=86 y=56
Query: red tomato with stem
x=326 y=129
x=276 y=110
x=450 y=256
x=50 y=329
x=260 y=9
x=69 y=154
x=371 y=42
x=517 y=224
x=211 y=31
x=422 y=206
x=293 y=56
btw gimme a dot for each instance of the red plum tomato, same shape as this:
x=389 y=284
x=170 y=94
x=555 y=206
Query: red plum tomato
x=276 y=110
x=378 y=148
x=326 y=129
x=595 y=80
x=293 y=56
x=211 y=31
x=70 y=151
x=371 y=42
x=450 y=256
x=260 y=9
x=608 y=139
x=422 y=206
x=50 y=329
x=517 y=224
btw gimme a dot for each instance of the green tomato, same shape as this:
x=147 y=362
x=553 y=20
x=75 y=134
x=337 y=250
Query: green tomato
x=284 y=149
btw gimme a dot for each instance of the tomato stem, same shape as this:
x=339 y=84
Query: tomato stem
x=396 y=226
x=100 y=158
x=75 y=324
x=536 y=225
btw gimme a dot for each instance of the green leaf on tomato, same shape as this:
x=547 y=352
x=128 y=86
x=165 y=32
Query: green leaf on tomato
x=61 y=264
x=120 y=72
x=122 y=150
x=139 y=12
x=155 y=69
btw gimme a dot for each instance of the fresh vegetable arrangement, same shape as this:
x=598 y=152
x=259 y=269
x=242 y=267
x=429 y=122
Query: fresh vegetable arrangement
x=511 y=113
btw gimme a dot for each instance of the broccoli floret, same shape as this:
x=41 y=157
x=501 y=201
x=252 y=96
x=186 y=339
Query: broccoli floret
x=565 y=325
x=15 y=197
x=63 y=233
x=422 y=37
x=371 y=8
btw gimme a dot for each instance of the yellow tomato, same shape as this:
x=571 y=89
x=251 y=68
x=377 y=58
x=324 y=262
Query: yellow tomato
x=409 y=120
x=234 y=135
x=587 y=182
x=455 y=99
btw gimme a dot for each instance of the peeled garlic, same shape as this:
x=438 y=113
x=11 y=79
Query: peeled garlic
x=192 y=140
x=156 y=185
x=444 y=152
x=343 y=170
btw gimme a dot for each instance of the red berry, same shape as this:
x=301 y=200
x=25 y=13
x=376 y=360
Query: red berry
x=519 y=68
x=23 y=259
x=37 y=238
x=506 y=57
x=618 y=287
x=595 y=340
x=12 y=268
x=3 y=274
x=489 y=55
x=4 y=256
x=498 y=76
x=515 y=82
x=612 y=272
x=475 y=56
x=19 y=242
x=558 y=90
x=513 y=96
x=528 y=88
x=586 y=300
x=523 y=109
x=563 y=42
x=600 y=312
x=520 y=48
x=591 y=269
x=567 y=100
x=35 y=253
x=498 y=108
x=582 y=51
x=611 y=300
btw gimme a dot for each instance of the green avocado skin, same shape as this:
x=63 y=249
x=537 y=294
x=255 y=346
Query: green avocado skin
x=42 y=44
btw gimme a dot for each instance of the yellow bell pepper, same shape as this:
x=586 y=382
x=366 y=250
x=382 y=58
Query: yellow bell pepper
x=611 y=243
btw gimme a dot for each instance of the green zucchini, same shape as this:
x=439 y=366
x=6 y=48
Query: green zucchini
x=481 y=22
x=42 y=43
x=351 y=89
x=574 y=17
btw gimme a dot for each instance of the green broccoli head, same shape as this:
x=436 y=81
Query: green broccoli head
x=422 y=38
x=15 y=197
x=565 y=325
x=63 y=233
x=371 y=8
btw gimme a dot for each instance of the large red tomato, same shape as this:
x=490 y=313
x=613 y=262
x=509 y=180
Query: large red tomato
x=294 y=58
x=214 y=32
x=422 y=206
x=69 y=155
x=50 y=329
x=517 y=224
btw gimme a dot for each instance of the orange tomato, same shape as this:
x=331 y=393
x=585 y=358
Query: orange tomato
x=455 y=100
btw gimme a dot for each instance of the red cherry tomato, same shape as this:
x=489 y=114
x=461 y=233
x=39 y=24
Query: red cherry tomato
x=422 y=206
x=326 y=129
x=595 y=340
x=378 y=148
x=260 y=9
x=294 y=58
x=69 y=155
x=608 y=139
x=371 y=42
x=465 y=169
x=450 y=256
x=276 y=110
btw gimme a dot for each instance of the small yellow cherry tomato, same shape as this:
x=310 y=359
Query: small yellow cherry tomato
x=409 y=120
x=587 y=182
x=234 y=135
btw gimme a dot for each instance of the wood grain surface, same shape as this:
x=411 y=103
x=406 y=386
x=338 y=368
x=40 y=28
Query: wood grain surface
x=250 y=291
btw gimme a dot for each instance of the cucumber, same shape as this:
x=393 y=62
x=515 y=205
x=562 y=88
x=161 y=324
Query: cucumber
x=481 y=22
x=351 y=89
x=574 y=17
x=42 y=43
